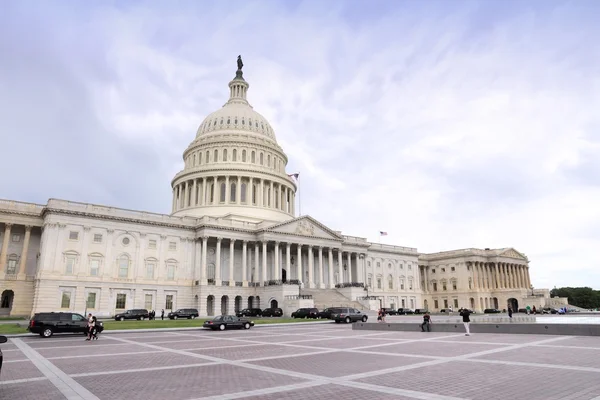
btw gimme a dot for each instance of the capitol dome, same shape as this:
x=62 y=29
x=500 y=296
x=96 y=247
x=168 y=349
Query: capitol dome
x=234 y=166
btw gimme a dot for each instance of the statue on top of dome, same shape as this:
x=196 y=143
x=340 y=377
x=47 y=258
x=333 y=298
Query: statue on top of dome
x=240 y=64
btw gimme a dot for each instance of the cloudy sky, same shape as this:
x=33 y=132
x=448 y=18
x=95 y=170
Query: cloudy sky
x=449 y=124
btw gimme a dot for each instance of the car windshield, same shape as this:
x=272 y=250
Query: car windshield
x=218 y=318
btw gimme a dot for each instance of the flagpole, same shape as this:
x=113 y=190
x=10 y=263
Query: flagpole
x=299 y=197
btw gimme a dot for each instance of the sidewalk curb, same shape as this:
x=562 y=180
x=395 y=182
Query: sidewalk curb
x=18 y=335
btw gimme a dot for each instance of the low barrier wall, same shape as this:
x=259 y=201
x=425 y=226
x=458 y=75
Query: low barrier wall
x=518 y=328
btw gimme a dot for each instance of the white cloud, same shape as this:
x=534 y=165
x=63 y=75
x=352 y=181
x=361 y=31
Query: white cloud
x=448 y=128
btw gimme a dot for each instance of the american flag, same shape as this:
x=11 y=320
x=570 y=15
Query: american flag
x=382 y=233
x=295 y=176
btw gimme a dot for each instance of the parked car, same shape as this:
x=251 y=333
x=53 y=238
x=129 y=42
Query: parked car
x=389 y=311
x=223 y=322
x=549 y=310
x=306 y=313
x=272 y=312
x=491 y=311
x=406 y=311
x=349 y=315
x=327 y=313
x=47 y=324
x=249 y=312
x=189 y=313
x=139 y=314
x=421 y=310
x=3 y=339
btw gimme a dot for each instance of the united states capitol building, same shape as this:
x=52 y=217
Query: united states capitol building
x=233 y=240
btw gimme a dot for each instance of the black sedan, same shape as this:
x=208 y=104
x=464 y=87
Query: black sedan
x=223 y=322
x=3 y=339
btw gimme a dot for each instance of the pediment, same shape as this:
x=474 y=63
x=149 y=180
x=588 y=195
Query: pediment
x=305 y=226
x=512 y=253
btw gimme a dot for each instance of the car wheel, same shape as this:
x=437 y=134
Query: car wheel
x=348 y=320
x=364 y=319
x=175 y=317
x=246 y=325
x=122 y=319
x=337 y=322
x=141 y=318
x=47 y=332
x=222 y=327
x=190 y=317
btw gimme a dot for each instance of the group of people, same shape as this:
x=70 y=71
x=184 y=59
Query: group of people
x=152 y=315
x=92 y=330
x=464 y=313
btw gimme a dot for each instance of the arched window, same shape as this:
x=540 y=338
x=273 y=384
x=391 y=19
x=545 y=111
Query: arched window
x=216 y=156
x=123 y=266
x=207 y=160
x=254 y=194
x=223 y=189
x=225 y=155
x=199 y=157
x=11 y=268
x=390 y=282
x=243 y=193
x=243 y=155
x=253 y=157
x=194 y=160
x=268 y=160
x=261 y=159
x=234 y=155
x=402 y=283
x=211 y=193
x=232 y=193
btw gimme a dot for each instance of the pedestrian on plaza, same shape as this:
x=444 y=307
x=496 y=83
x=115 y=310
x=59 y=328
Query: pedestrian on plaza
x=466 y=320
x=94 y=332
x=528 y=309
x=534 y=310
x=162 y=314
x=426 y=322
x=510 y=312
x=90 y=326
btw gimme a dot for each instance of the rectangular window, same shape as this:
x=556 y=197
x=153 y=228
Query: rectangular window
x=170 y=272
x=444 y=286
x=65 y=301
x=434 y=286
x=121 y=300
x=94 y=267
x=70 y=266
x=172 y=246
x=148 y=302
x=433 y=271
x=401 y=285
x=453 y=285
x=445 y=303
x=410 y=285
x=378 y=283
x=97 y=238
x=73 y=235
x=412 y=303
x=370 y=282
x=16 y=237
x=12 y=267
x=455 y=303
x=410 y=267
x=152 y=244
x=443 y=269
x=452 y=269
x=123 y=267
x=91 y=300
x=169 y=302
x=150 y=270
x=390 y=284
x=435 y=304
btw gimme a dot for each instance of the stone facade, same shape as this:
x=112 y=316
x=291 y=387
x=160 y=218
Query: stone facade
x=233 y=240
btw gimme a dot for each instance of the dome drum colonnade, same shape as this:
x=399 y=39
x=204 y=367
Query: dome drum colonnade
x=235 y=161
x=272 y=262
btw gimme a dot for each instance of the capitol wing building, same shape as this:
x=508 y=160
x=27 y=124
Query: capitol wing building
x=233 y=240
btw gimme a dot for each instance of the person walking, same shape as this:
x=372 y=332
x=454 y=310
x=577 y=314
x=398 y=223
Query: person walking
x=426 y=322
x=162 y=314
x=90 y=326
x=466 y=320
x=510 y=312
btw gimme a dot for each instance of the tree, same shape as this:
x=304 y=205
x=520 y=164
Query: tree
x=584 y=297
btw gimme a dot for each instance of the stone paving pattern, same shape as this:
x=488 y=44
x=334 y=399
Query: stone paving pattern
x=327 y=361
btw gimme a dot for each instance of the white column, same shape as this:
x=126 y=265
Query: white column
x=340 y=266
x=288 y=265
x=311 y=268
x=299 y=263
x=227 y=190
x=350 y=267
x=330 y=261
x=204 y=275
x=360 y=270
x=245 y=263
x=277 y=266
x=194 y=190
x=218 y=263
x=203 y=200
x=23 y=262
x=264 y=263
x=321 y=278
x=231 y=259
x=256 y=264
x=58 y=262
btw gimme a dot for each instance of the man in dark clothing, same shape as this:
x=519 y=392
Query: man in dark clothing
x=426 y=322
x=162 y=314
x=466 y=320
x=509 y=312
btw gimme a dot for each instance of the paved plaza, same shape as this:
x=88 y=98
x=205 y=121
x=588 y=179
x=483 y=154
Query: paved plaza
x=301 y=362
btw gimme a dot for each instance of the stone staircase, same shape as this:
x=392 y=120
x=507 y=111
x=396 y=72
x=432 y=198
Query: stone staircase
x=324 y=298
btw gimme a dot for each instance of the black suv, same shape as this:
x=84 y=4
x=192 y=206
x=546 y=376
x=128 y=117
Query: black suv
x=305 y=313
x=47 y=324
x=272 y=312
x=389 y=311
x=138 y=314
x=249 y=312
x=349 y=315
x=327 y=313
x=189 y=313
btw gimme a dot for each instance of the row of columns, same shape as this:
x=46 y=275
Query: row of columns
x=193 y=193
x=500 y=275
x=276 y=275
x=4 y=253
